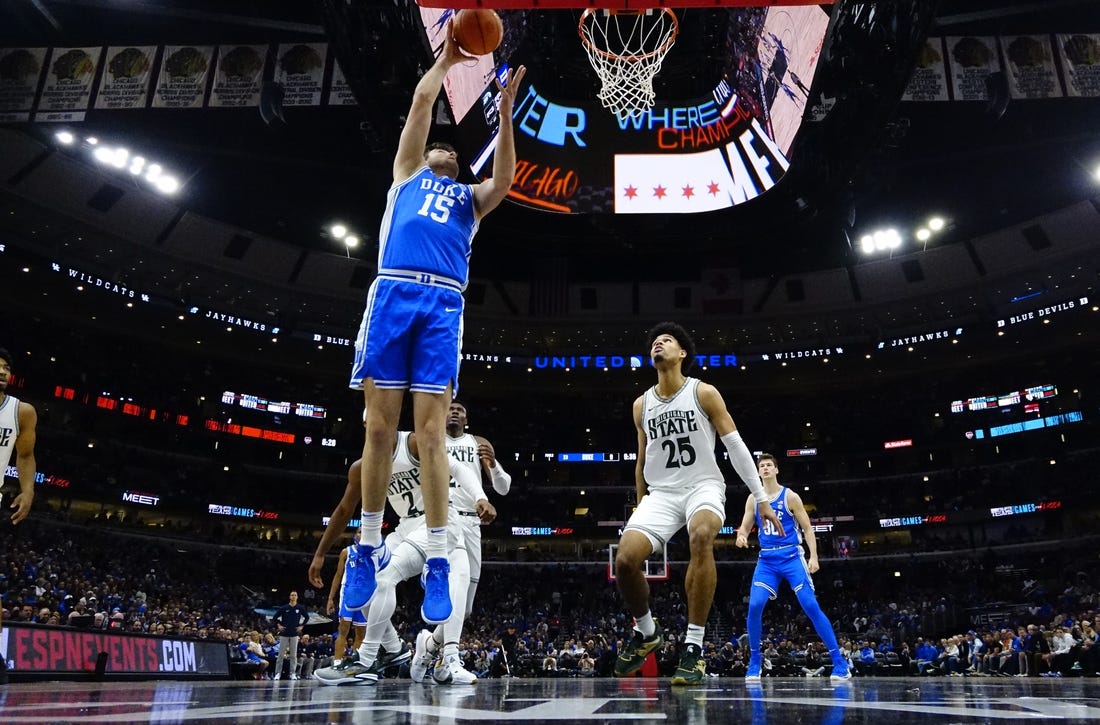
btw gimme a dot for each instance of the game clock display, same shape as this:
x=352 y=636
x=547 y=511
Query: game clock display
x=683 y=155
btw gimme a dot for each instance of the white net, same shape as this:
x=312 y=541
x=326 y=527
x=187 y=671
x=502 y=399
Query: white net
x=626 y=49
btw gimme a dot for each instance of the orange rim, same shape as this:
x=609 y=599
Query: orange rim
x=634 y=58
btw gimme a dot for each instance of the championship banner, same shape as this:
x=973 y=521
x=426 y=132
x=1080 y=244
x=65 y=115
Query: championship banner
x=929 y=79
x=238 y=76
x=68 y=84
x=1029 y=61
x=300 y=69
x=181 y=80
x=1080 y=56
x=35 y=649
x=125 y=81
x=20 y=71
x=339 y=92
x=973 y=60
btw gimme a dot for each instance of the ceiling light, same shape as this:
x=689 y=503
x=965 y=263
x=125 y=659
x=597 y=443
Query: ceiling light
x=103 y=154
x=92 y=140
x=923 y=234
x=867 y=244
x=936 y=223
x=64 y=137
x=136 y=165
x=167 y=184
x=338 y=231
x=351 y=240
x=153 y=172
x=119 y=158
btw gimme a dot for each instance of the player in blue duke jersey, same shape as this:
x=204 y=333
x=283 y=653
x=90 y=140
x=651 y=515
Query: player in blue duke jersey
x=678 y=484
x=781 y=559
x=411 y=331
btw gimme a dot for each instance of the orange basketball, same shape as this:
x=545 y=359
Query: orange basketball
x=478 y=32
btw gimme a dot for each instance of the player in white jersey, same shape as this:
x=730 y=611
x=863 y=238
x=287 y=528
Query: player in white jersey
x=476 y=455
x=381 y=648
x=17 y=434
x=678 y=484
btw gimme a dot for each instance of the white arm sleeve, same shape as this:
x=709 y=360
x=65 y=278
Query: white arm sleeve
x=502 y=481
x=743 y=464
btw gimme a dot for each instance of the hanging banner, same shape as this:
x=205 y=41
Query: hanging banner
x=68 y=84
x=929 y=79
x=181 y=81
x=125 y=82
x=20 y=71
x=973 y=60
x=1080 y=55
x=239 y=76
x=339 y=92
x=1029 y=61
x=300 y=69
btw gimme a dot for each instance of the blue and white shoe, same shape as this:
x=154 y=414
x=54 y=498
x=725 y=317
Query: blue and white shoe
x=364 y=563
x=756 y=662
x=841 y=673
x=436 y=608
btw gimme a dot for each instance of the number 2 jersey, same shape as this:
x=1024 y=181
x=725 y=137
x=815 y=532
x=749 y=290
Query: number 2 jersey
x=428 y=226
x=404 y=493
x=679 y=450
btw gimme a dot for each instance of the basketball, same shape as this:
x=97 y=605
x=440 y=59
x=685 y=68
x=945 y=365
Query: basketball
x=478 y=32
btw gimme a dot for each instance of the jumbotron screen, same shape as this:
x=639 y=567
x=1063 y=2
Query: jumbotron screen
x=684 y=155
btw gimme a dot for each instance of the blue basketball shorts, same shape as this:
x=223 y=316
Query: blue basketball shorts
x=357 y=617
x=410 y=337
x=773 y=568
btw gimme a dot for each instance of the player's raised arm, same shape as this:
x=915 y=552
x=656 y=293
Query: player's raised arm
x=715 y=407
x=414 y=136
x=489 y=193
x=639 y=466
x=501 y=479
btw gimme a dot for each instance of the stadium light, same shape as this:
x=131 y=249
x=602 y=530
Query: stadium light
x=923 y=234
x=338 y=231
x=936 y=223
x=351 y=240
x=65 y=137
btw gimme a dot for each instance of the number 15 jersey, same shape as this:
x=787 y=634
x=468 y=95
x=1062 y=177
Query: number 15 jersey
x=428 y=226
x=679 y=450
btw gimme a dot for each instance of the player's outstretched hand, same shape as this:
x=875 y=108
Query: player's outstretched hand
x=767 y=513
x=508 y=89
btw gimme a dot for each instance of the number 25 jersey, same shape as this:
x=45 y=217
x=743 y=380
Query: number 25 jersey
x=679 y=450
x=428 y=226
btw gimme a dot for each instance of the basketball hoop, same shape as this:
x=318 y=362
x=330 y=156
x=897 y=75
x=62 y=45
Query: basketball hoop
x=626 y=49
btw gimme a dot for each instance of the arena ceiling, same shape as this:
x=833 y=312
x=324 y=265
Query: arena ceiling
x=871 y=161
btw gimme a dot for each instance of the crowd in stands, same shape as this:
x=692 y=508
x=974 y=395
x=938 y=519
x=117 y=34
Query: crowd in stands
x=1031 y=611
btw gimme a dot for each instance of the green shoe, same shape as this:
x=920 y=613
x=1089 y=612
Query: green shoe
x=634 y=653
x=692 y=669
x=385 y=660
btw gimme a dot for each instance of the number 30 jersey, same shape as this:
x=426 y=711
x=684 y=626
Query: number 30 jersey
x=770 y=540
x=428 y=226
x=679 y=450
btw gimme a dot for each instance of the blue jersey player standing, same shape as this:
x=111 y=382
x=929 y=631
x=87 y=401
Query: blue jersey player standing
x=781 y=559
x=412 y=326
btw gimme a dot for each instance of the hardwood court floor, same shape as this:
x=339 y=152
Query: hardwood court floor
x=890 y=700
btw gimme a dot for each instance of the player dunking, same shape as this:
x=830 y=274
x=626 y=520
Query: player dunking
x=678 y=483
x=412 y=326
x=781 y=559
